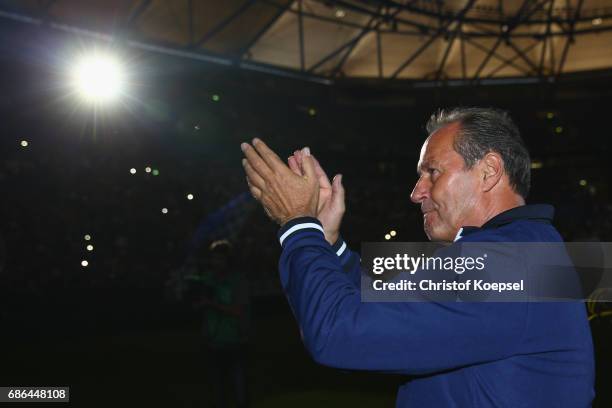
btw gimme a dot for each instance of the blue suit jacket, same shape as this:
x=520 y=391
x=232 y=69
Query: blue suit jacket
x=457 y=354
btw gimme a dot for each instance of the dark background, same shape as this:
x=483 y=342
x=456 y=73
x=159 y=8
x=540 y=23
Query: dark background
x=112 y=331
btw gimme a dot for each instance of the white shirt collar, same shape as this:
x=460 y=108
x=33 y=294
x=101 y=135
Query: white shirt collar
x=458 y=234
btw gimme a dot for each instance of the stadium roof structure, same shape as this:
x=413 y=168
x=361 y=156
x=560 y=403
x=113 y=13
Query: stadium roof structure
x=324 y=40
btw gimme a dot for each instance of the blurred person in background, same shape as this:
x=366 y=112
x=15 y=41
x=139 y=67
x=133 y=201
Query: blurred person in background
x=224 y=301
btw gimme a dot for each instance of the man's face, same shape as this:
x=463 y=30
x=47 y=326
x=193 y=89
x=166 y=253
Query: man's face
x=446 y=191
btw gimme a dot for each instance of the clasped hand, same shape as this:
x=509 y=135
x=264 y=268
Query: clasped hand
x=283 y=193
x=301 y=189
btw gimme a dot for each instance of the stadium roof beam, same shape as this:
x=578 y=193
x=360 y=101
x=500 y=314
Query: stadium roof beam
x=491 y=34
x=505 y=61
x=451 y=40
x=378 y=15
x=425 y=29
x=334 y=53
x=352 y=43
x=570 y=37
x=521 y=54
x=511 y=62
x=552 y=56
x=521 y=15
x=440 y=30
x=312 y=15
x=487 y=58
x=281 y=10
x=414 y=56
x=445 y=15
x=356 y=41
x=500 y=7
x=463 y=57
x=224 y=23
x=546 y=36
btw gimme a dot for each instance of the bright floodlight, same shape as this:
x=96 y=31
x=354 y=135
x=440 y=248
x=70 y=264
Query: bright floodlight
x=98 y=78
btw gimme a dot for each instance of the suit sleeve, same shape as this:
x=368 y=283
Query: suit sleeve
x=340 y=330
x=349 y=260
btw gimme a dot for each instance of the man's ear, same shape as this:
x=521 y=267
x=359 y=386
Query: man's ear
x=492 y=167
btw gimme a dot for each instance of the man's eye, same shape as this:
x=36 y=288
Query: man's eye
x=432 y=171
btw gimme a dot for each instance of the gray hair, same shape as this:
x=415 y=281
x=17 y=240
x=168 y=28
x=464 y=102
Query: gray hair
x=484 y=130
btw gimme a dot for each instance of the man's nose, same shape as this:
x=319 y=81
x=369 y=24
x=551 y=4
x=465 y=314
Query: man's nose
x=420 y=191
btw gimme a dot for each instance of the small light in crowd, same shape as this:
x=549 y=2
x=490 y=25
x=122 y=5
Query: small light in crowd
x=504 y=28
x=84 y=263
x=87 y=237
x=597 y=21
x=133 y=170
x=537 y=164
x=147 y=169
x=340 y=13
x=312 y=111
x=216 y=98
x=197 y=127
x=387 y=237
x=550 y=115
x=190 y=196
x=164 y=210
x=90 y=247
x=583 y=182
x=24 y=143
x=559 y=129
x=155 y=172
x=393 y=233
